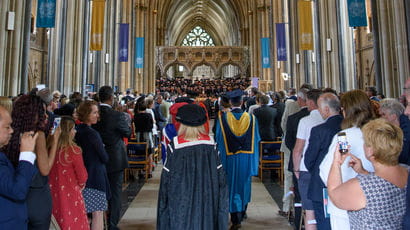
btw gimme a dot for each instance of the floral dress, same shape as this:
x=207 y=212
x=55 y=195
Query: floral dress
x=67 y=179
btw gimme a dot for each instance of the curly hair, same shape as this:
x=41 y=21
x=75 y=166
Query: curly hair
x=28 y=115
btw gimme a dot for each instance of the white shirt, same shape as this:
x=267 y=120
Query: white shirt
x=355 y=140
x=305 y=126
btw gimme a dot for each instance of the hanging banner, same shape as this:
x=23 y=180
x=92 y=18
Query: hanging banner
x=305 y=25
x=46 y=13
x=123 y=43
x=265 y=50
x=281 y=42
x=139 y=52
x=97 y=25
x=357 y=13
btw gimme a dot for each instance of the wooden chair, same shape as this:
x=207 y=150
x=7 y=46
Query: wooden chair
x=157 y=149
x=138 y=158
x=271 y=158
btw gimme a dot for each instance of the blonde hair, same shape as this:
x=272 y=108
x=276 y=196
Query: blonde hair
x=65 y=141
x=191 y=133
x=386 y=140
x=7 y=103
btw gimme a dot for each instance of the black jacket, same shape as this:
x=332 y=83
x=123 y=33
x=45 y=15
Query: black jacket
x=266 y=119
x=291 y=131
x=95 y=157
x=112 y=128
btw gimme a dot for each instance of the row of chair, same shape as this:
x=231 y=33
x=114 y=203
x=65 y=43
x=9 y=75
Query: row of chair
x=270 y=158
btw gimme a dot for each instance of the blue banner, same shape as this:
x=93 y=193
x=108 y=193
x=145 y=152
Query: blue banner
x=281 y=42
x=139 y=52
x=265 y=46
x=46 y=13
x=123 y=43
x=357 y=13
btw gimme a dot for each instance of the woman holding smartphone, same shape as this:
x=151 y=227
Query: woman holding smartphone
x=373 y=200
x=357 y=111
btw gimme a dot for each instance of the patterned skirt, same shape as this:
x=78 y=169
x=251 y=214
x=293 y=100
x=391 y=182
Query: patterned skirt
x=95 y=200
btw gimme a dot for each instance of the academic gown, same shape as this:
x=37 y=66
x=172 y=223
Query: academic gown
x=239 y=155
x=193 y=192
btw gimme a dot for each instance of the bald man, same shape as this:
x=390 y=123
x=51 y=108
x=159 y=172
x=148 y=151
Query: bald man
x=320 y=139
x=15 y=182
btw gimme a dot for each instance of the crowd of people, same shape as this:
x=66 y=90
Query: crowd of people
x=65 y=160
x=203 y=87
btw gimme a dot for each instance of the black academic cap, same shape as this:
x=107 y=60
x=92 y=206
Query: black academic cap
x=235 y=96
x=191 y=115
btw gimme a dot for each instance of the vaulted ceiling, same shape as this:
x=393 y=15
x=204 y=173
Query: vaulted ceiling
x=222 y=19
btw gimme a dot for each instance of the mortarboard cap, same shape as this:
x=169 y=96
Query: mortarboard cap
x=191 y=115
x=235 y=96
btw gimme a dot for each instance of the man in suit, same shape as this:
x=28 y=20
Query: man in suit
x=266 y=118
x=320 y=138
x=113 y=128
x=290 y=140
x=15 y=182
x=252 y=98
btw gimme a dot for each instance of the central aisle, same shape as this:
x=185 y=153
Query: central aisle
x=142 y=212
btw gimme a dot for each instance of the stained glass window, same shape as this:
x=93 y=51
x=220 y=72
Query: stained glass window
x=198 y=37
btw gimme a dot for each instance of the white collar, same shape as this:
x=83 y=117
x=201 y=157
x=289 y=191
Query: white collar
x=107 y=105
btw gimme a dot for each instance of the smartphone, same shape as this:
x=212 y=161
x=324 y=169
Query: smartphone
x=342 y=141
x=56 y=123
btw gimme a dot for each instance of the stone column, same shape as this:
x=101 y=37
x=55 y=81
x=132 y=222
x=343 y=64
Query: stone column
x=4 y=7
x=330 y=68
x=402 y=48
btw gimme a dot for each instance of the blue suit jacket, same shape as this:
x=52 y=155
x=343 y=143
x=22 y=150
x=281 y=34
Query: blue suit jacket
x=14 y=186
x=405 y=127
x=320 y=138
x=95 y=157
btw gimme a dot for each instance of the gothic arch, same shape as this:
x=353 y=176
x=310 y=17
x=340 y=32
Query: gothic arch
x=242 y=68
x=212 y=65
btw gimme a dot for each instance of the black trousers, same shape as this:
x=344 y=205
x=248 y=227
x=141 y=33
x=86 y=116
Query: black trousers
x=114 y=204
x=297 y=199
x=39 y=205
x=237 y=217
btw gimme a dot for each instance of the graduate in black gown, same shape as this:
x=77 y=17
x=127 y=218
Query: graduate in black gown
x=193 y=192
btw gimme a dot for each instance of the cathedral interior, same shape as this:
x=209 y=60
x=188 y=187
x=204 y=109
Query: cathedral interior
x=282 y=43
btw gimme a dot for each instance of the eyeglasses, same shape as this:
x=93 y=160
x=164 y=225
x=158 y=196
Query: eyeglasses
x=406 y=88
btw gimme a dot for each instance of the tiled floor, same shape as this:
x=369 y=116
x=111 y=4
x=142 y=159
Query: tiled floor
x=262 y=211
